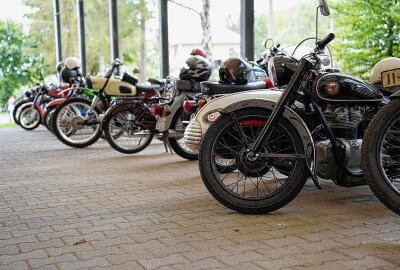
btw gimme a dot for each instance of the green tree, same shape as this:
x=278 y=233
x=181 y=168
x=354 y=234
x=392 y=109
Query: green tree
x=367 y=31
x=18 y=66
x=132 y=15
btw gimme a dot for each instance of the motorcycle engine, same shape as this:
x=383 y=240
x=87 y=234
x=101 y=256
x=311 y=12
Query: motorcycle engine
x=344 y=122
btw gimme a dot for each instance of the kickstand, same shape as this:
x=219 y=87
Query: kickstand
x=167 y=146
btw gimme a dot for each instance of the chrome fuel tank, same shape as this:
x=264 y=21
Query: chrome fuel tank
x=339 y=88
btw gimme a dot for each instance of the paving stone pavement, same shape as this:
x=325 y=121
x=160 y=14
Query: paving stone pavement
x=94 y=208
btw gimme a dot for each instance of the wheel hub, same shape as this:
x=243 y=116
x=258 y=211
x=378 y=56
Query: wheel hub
x=250 y=164
x=77 y=122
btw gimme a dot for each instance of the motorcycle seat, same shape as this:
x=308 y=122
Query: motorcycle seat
x=213 y=88
x=148 y=89
x=156 y=81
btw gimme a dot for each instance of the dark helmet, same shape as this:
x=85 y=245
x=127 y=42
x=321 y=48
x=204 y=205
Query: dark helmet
x=198 y=51
x=236 y=71
x=199 y=69
x=67 y=75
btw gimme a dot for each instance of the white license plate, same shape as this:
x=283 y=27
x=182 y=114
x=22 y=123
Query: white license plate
x=391 y=78
x=161 y=122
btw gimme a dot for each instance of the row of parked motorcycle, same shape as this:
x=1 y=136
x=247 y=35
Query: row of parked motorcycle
x=259 y=133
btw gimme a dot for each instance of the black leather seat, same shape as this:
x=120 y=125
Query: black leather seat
x=148 y=89
x=156 y=81
x=213 y=88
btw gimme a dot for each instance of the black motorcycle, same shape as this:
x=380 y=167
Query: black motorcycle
x=274 y=150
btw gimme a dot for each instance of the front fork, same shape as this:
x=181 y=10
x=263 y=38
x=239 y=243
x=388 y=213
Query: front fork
x=280 y=106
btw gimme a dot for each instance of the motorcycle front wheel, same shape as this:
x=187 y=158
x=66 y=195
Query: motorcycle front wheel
x=380 y=155
x=29 y=118
x=125 y=134
x=255 y=186
x=47 y=118
x=177 y=144
x=74 y=125
x=16 y=113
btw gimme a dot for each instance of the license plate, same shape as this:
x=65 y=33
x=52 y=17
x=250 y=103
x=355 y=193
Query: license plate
x=161 y=122
x=391 y=78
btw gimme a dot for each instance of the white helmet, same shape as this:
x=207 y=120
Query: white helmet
x=72 y=63
x=383 y=65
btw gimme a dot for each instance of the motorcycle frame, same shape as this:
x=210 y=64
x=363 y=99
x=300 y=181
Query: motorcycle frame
x=280 y=107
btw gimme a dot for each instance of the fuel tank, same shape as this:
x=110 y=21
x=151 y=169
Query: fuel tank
x=341 y=89
x=115 y=87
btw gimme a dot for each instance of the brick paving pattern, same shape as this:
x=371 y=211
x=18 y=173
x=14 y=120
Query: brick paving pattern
x=94 y=208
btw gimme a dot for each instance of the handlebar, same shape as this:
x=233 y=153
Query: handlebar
x=322 y=43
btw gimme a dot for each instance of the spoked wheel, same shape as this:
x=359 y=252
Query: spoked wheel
x=74 y=125
x=16 y=113
x=125 y=134
x=253 y=184
x=47 y=118
x=177 y=144
x=29 y=118
x=381 y=155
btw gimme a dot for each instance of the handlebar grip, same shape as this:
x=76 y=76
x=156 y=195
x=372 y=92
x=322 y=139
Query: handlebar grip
x=322 y=43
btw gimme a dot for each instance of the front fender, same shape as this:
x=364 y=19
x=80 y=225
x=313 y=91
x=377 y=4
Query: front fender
x=289 y=114
x=137 y=108
x=54 y=102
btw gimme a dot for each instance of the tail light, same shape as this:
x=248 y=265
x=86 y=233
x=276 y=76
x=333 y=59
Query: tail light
x=189 y=106
x=268 y=83
x=155 y=109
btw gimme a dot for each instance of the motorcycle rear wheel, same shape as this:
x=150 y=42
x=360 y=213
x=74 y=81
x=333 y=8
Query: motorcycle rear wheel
x=124 y=134
x=380 y=156
x=256 y=186
x=177 y=144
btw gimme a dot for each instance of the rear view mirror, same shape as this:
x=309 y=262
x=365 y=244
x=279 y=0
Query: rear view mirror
x=324 y=9
x=269 y=43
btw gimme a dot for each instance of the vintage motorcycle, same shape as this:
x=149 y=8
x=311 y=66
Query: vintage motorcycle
x=130 y=126
x=77 y=122
x=256 y=157
x=380 y=153
x=31 y=114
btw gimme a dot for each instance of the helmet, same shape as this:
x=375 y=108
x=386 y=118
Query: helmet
x=387 y=64
x=199 y=69
x=68 y=74
x=59 y=66
x=72 y=63
x=236 y=71
x=198 y=51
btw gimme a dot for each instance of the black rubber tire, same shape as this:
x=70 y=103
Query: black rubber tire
x=60 y=137
x=47 y=118
x=173 y=142
x=370 y=155
x=18 y=104
x=283 y=196
x=34 y=126
x=111 y=142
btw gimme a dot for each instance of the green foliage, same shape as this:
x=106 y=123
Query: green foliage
x=290 y=26
x=367 y=31
x=17 y=65
x=97 y=31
